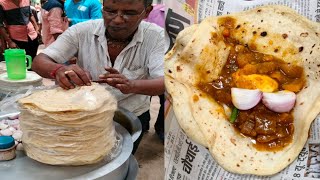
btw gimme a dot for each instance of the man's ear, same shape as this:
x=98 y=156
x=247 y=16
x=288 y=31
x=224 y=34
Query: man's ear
x=148 y=10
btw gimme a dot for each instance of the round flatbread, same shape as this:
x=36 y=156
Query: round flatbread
x=199 y=55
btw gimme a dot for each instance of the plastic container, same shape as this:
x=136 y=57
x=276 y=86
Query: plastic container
x=16 y=63
x=7 y=148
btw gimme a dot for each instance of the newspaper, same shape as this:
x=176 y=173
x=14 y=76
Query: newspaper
x=183 y=13
x=187 y=160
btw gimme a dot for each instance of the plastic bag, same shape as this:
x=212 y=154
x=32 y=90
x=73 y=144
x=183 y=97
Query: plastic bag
x=9 y=102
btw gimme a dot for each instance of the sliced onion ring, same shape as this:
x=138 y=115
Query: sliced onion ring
x=245 y=99
x=281 y=101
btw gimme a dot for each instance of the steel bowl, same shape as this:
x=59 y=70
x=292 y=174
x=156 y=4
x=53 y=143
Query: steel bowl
x=129 y=121
x=23 y=167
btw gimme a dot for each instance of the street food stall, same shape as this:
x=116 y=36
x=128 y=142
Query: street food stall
x=229 y=114
x=77 y=139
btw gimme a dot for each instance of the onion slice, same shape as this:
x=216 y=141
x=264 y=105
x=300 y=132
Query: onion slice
x=245 y=99
x=281 y=101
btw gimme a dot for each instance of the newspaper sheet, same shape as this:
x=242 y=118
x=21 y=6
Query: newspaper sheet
x=185 y=159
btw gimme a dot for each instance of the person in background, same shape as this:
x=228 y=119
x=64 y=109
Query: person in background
x=38 y=7
x=40 y=21
x=120 y=51
x=34 y=13
x=157 y=16
x=82 y=10
x=54 y=21
x=17 y=19
x=3 y=46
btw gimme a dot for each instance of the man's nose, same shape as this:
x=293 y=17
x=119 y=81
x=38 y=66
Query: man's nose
x=118 y=19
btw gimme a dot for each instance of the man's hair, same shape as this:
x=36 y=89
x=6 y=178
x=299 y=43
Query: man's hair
x=146 y=3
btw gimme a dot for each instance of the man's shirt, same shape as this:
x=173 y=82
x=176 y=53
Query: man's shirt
x=142 y=58
x=53 y=20
x=17 y=20
x=83 y=10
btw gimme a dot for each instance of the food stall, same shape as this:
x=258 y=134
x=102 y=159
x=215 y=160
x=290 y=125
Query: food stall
x=119 y=164
x=200 y=143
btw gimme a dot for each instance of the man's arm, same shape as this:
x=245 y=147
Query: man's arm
x=66 y=76
x=49 y=63
x=34 y=23
x=7 y=38
x=151 y=87
x=3 y=30
x=44 y=65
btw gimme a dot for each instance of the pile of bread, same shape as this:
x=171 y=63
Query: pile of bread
x=68 y=127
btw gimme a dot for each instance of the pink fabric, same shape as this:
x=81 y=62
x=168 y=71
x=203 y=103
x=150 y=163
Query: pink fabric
x=19 y=32
x=157 y=15
x=52 y=23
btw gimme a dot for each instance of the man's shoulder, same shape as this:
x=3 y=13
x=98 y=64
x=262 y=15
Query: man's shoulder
x=151 y=27
x=92 y=22
x=90 y=26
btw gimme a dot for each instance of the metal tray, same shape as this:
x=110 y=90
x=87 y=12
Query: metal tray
x=23 y=167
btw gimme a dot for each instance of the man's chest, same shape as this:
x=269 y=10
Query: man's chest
x=128 y=62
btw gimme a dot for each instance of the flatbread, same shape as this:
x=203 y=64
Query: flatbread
x=198 y=56
x=73 y=127
x=81 y=98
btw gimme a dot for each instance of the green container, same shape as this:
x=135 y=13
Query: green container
x=16 y=63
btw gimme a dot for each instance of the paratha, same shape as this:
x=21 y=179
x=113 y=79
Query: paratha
x=68 y=127
x=198 y=57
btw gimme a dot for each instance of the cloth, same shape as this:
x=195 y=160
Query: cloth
x=157 y=15
x=83 y=10
x=53 y=20
x=145 y=121
x=17 y=20
x=31 y=46
x=143 y=58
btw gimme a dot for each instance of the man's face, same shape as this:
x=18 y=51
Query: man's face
x=129 y=15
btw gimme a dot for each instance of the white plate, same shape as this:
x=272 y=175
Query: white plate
x=31 y=77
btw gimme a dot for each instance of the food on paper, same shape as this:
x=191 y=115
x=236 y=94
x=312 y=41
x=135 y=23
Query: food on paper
x=270 y=49
x=68 y=127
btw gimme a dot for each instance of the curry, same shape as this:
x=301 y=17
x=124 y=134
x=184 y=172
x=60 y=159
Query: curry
x=269 y=130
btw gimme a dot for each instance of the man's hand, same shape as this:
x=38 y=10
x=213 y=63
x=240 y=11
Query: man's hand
x=69 y=76
x=12 y=44
x=117 y=80
x=37 y=29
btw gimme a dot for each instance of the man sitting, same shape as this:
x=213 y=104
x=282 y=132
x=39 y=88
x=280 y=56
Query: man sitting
x=119 y=50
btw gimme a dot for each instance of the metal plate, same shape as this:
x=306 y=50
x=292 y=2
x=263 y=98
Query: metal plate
x=23 y=167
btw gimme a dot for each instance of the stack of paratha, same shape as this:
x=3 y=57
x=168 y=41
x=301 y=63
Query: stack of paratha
x=200 y=53
x=68 y=127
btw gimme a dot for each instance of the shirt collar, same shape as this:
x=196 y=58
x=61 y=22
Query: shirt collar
x=138 y=36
